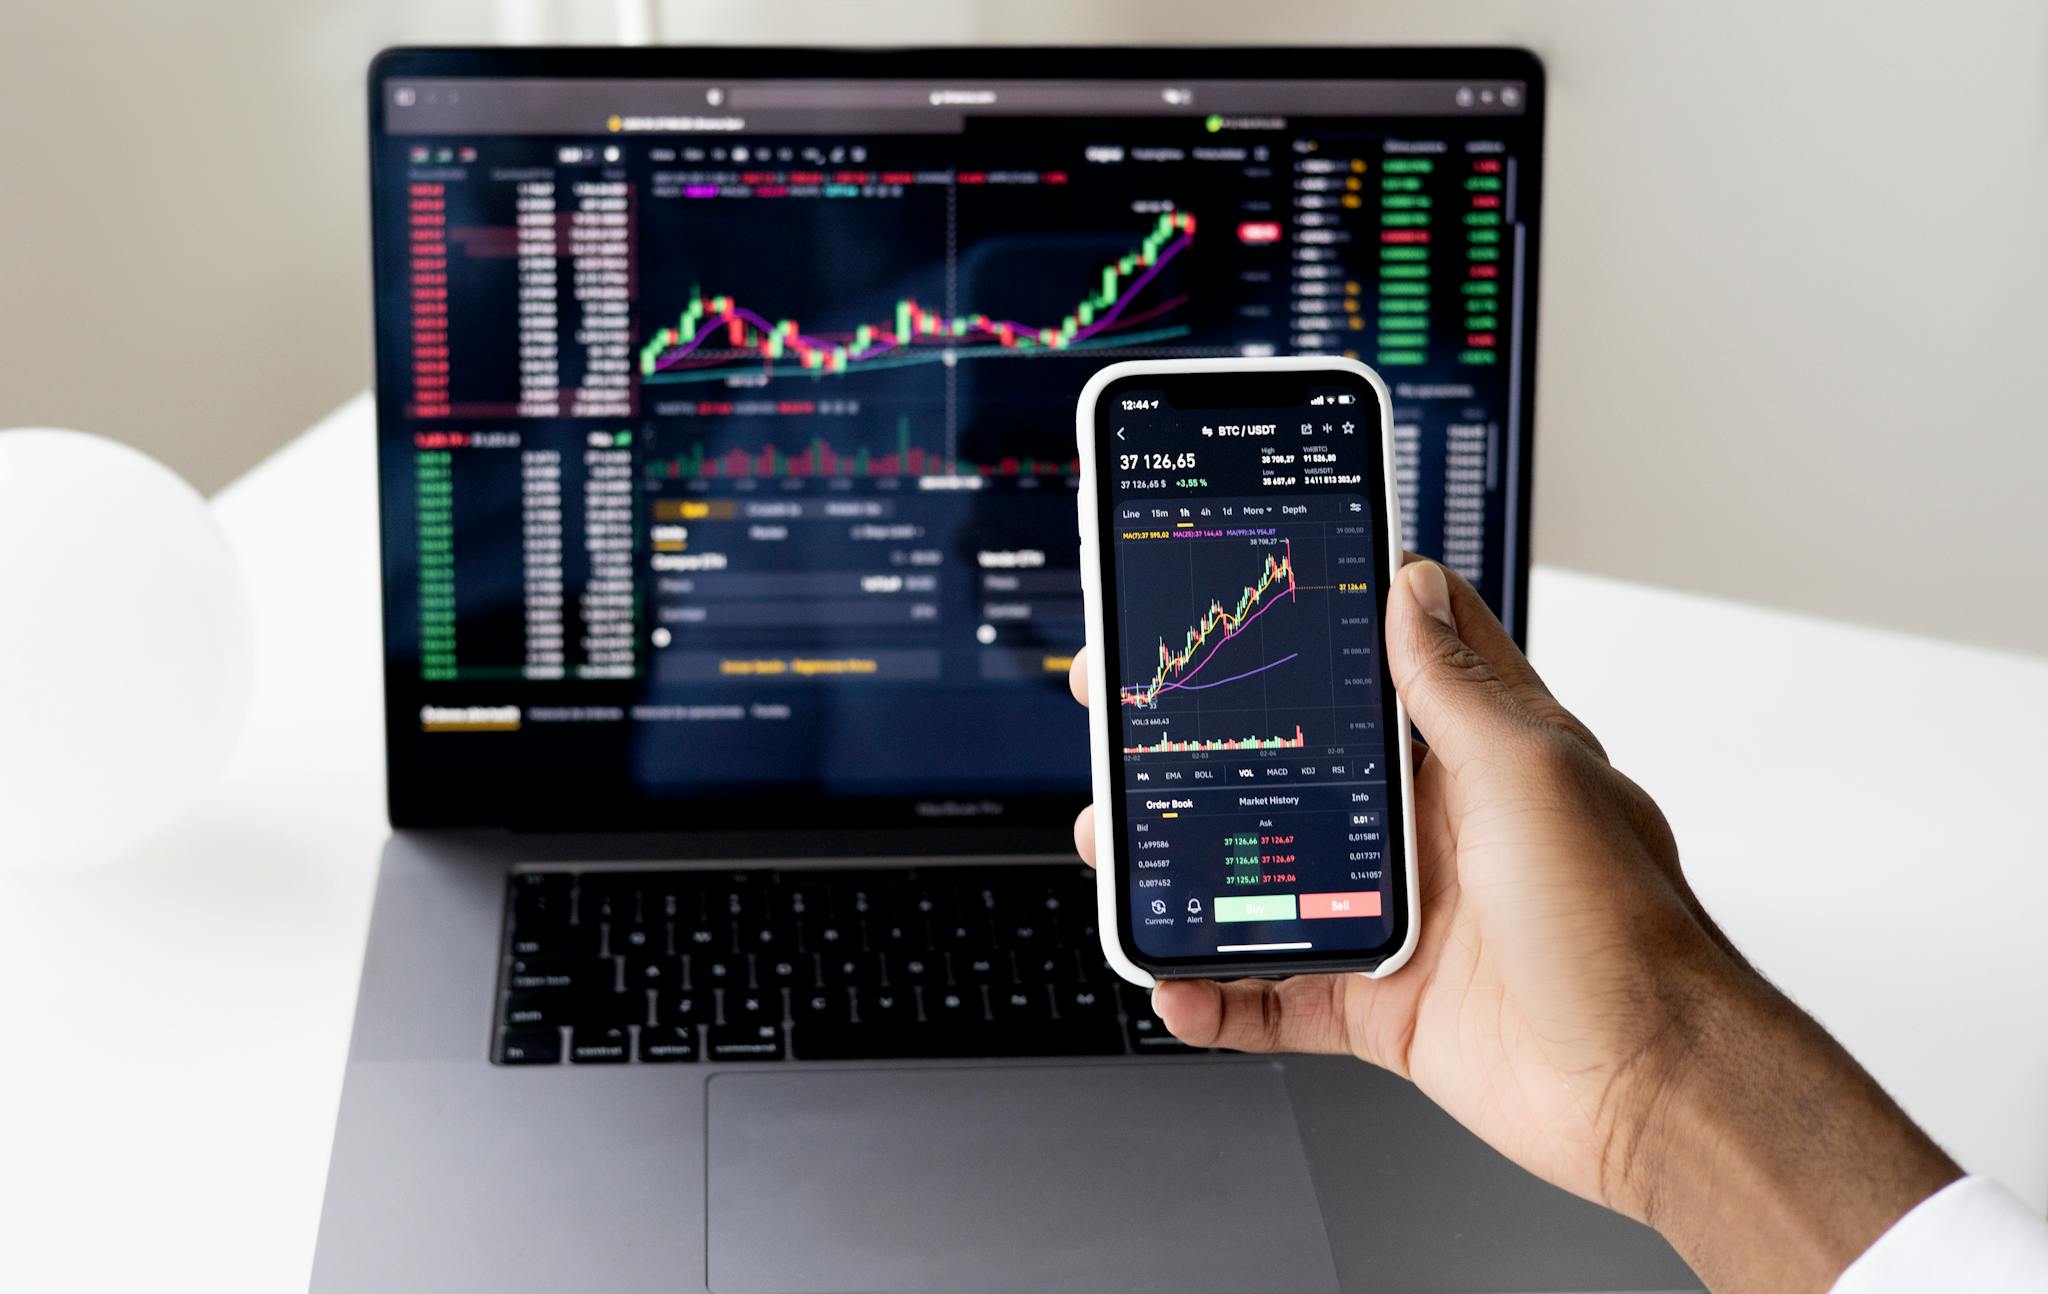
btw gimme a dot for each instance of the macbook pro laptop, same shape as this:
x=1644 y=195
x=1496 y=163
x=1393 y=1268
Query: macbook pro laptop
x=730 y=935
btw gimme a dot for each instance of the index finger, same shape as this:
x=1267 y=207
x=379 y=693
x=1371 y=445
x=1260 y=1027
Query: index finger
x=1077 y=676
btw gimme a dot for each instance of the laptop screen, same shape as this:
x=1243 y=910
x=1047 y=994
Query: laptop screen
x=726 y=397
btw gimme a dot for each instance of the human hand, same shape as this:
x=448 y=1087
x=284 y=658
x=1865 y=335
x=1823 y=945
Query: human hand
x=1569 y=1000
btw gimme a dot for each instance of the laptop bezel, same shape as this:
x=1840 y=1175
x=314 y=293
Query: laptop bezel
x=998 y=823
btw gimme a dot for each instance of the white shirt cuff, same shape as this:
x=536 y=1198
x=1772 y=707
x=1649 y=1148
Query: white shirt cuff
x=1972 y=1234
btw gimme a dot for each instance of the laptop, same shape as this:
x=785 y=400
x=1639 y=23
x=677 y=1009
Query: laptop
x=730 y=935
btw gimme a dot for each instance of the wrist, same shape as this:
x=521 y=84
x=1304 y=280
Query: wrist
x=1757 y=1146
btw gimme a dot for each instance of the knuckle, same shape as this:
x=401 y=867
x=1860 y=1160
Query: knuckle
x=1556 y=716
x=1545 y=750
x=1556 y=765
x=1272 y=1018
x=1254 y=1018
x=1457 y=662
x=1647 y=817
x=1558 y=746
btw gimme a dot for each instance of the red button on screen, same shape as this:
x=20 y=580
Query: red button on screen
x=1364 y=903
x=1257 y=232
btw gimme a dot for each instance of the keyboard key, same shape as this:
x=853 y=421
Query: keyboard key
x=542 y=899
x=821 y=1006
x=629 y=1007
x=1045 y=968
x=950 y=1006
x=970 y=933
x=530 y=1047
x=1148 y=1035
x=681 y=1008
x=674 y=901
x=850 y=970
x=798 y=899
x=598 y=1046
x=899 y=937
x=714 y=938
x=789 y=970
x=707 y=973
x=594 y=974
x=1084 y=1002
x=753 y=1008
x=836 y=1040
x=667 y=1044
x=979 y=968
x=736 y=902
x=1019 y=1004
x=928 y=968
x=646 y=971
x=611 y=897
x=885 y=1006
x=905 y=1040
x=523 y=1010
x=825 y=934
x=639 y=941
x=745 y=1042
x=912 y=1040
x=539 y=939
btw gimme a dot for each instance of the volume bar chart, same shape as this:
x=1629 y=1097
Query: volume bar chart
x=821 y=458
x=1166 y=746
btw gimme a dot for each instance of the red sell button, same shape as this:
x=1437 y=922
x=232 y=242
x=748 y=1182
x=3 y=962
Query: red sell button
x=1365 y=903
x=1257 y=232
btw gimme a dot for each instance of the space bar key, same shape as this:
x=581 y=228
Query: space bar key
x=923 y=1041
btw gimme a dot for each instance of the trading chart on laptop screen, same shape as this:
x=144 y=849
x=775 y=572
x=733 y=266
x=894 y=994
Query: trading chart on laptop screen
x=728 y=425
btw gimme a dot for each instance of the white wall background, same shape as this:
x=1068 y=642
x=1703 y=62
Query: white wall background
x=1793 y=321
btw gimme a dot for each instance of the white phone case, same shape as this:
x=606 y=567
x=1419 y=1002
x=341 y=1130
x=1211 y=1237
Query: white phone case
x=1102 y=767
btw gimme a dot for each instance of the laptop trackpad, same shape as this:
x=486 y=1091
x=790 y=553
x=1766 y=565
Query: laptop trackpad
x=1170 y=1176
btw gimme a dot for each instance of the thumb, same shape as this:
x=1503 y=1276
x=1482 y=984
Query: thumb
x=1454 y=695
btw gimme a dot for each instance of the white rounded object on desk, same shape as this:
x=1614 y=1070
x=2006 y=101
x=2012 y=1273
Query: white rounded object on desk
x=125 y=649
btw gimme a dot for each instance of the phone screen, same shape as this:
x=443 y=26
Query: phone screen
x=1244 y=562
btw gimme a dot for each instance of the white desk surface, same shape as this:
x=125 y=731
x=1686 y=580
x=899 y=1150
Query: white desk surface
x=1861 y=810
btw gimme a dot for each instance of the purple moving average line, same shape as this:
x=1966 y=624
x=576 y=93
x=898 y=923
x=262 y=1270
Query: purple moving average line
x=1137 y=286
x=1217 y=648
x=880 y=344
x=1196 y=687
x=750 y=317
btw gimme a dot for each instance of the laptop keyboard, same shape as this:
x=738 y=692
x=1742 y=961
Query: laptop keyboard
x=662 y=967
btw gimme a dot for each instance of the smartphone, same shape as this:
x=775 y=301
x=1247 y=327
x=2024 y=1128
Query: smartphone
x=1253 y=788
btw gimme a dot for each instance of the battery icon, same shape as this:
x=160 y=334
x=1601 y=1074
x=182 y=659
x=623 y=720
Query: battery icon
x=1347 y=399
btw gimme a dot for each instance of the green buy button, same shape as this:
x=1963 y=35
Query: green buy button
x=1256 y=907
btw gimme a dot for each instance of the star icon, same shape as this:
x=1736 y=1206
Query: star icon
x=1349 y=428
